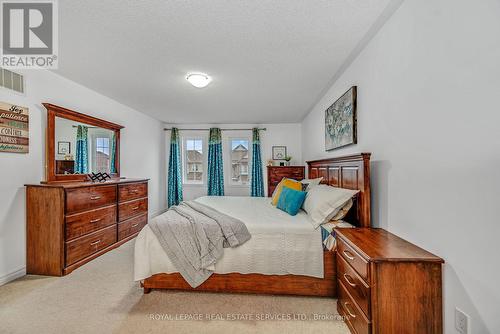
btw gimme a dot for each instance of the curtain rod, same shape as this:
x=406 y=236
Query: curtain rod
x=261 y=129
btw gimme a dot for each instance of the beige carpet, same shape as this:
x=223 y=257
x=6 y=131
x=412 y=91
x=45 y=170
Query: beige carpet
x=101 y=297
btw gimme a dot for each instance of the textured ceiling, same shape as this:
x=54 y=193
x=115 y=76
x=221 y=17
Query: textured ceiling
x=269 y=60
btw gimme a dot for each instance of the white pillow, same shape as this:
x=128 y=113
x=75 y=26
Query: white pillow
x=342 y=211
x=324 y=202
x=311 y=183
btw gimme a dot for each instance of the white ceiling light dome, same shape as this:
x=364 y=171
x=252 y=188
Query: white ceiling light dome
x=199 y=80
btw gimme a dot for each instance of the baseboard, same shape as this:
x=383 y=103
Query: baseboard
x=12 y=276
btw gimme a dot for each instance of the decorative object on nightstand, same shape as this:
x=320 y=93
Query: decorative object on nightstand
x=386 y=284
x=276 y=173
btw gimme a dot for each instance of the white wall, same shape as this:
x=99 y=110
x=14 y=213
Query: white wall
x=142 y=155
x=428 y=88
x=65 y=132
x=287 y=134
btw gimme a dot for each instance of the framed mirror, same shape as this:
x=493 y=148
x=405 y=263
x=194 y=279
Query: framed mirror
x=78 y=144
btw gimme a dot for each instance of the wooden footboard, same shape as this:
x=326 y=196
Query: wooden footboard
x=255 y=283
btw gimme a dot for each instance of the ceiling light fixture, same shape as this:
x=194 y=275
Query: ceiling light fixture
x=199 y=80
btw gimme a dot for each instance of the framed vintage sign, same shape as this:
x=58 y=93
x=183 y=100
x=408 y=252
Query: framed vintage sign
x=14 y=128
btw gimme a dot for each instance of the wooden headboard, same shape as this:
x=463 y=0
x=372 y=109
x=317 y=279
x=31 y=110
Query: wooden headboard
x=350 y=172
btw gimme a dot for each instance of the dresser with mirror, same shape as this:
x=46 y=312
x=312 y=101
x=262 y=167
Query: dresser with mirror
x=70 y=219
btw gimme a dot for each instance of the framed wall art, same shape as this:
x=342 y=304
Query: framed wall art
x=63 y=147
x=279 y=152
x=14 y=128
x=340 y=121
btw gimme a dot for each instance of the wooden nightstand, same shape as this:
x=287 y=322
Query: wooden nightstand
x=386 y=284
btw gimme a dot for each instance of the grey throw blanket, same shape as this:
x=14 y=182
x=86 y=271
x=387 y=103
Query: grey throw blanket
x=193 y=235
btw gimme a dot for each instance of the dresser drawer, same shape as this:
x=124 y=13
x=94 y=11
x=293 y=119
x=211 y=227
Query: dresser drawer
x=130 y=191
x=89 y=221
x=358 y=289
x=353 y=314
x=276 y=178
x=273 y=182
x=296 y=174
x=353 y=258
x=276 y=175
x=89 y=244
x=131 y=209
x=86 y=198
x=131 y=226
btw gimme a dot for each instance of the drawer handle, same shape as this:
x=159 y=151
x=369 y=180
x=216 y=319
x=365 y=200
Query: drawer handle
x=348 y=280
x=135 y=208
x=96 y=220
x=134 y=191
x=348 y=255
x=94 y=198
x=135 y=224
x=348 y=310
x=95 y=242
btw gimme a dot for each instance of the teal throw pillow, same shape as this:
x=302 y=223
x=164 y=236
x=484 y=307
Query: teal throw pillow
x=291 y=200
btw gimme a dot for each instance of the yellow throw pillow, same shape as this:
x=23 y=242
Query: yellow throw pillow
x=295 y=185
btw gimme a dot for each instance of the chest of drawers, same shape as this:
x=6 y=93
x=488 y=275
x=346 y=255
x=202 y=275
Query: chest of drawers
x=386 y=284
x=70 y=224
x=276 y=173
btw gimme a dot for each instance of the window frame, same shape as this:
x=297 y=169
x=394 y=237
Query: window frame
x=97 y=144
x=94 y=135
x=184 y=150
x=95 y=151
x=230 y=162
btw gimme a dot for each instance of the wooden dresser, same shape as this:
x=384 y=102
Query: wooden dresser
x=386 y=284
x=276 y=173
x=69 y=224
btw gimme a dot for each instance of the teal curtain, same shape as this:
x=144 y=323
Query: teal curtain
x=174 y=170
x=215 y=177
x=257 y=181
x=112 y=166
x=82 y=144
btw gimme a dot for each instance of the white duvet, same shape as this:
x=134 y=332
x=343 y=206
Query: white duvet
x=281 y=244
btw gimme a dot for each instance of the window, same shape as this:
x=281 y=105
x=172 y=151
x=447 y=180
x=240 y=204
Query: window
x=193 y=160
x=240 y=152
x=102 y=160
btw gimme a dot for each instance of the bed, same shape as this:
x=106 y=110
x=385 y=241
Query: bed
x=305 y=269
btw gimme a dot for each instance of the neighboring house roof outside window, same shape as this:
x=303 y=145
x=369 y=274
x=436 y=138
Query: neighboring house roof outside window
x=194 y=156
x=239 y=154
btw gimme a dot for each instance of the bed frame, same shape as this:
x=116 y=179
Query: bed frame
x=351 y=172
